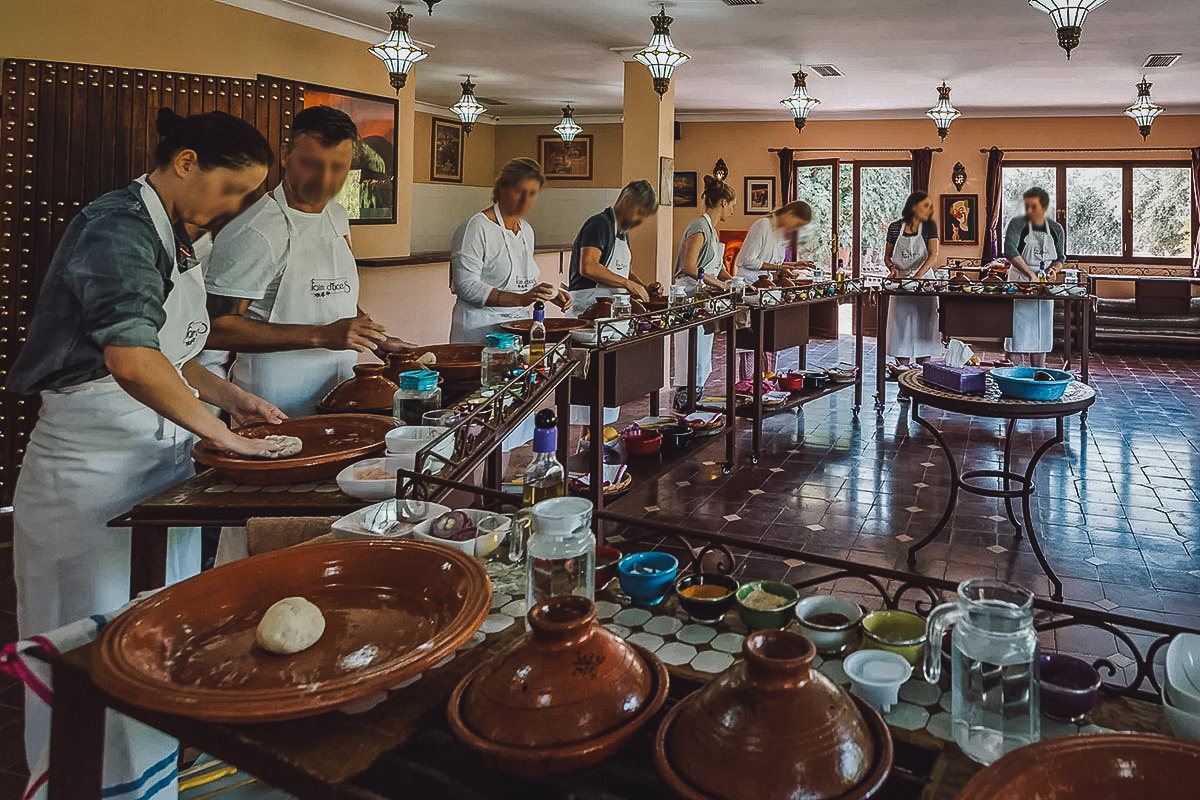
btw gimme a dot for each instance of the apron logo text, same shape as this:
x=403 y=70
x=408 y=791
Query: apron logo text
x=324 y=287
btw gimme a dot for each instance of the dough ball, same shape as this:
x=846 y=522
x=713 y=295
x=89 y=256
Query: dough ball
x=288 y=445
x=428 y=360
x=291 y=625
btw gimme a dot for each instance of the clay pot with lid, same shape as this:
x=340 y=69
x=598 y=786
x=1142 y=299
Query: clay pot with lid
x=773 y=728
x=764 y=282
x=567 y=695
x=601 y=309
x=368 y=392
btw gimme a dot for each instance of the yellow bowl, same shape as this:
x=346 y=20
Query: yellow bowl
x=900 y=632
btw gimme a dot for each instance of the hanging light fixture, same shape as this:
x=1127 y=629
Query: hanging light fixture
x=720 y=170
x=467 y=108
x=1068 y=17
x=431 y=4
x=1144 y=110
x=568 y=129
x=800 y=102
x=944 y=112
x=661 y=55
x=398 y=51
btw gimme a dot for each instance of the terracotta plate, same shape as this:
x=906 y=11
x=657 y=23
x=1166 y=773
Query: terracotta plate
x=392 y=609
x=332 y=442
x=557 y=328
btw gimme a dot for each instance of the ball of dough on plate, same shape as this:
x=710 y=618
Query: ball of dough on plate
x=288 y=445
x=291 y=625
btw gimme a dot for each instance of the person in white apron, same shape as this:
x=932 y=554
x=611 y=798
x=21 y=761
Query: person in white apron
x=1032 y=244
x=912 y=252
x=121 y=392
x=600 y=262
x=493 y=274
x=699 y=250
x=282 y=280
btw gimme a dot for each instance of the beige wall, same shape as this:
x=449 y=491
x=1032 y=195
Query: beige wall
x=513 y=141
x=479 y=156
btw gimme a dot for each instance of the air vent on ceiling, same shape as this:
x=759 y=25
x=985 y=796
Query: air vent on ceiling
x=1161 y=60
x=827 y=70
x=743 y=2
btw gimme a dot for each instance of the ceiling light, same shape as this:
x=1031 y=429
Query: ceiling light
x=944 y=112
x=720 y=170
x=467 y=108
x=1068 y=16
x=661 y=55
x=398 y=51
x=568 y=129
x=800 y=102
x=1144 y=110
x=431 y=4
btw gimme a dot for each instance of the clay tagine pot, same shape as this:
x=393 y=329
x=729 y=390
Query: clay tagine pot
x=601 y=309
x=764 y=282
x=368 y=392
x=772 y=728
x=567 y=695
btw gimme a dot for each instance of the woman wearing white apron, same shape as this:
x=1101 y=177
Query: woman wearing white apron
x=700 y=250
x=600 y=262
x=111 y=349
x=1032 y=243
x=912 y=251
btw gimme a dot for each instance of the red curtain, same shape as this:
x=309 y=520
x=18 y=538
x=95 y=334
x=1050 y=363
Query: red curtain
x=1195 y=205
x=991 y=229
x=922 y=162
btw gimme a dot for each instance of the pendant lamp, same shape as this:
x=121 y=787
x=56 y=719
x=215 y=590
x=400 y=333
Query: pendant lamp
x=944 y=112
x=800 y=102
x=661 y=55
x=1144 y=110
x=1068 y=17
x=467 y=108
x=568 y=129
x=431 y=4
x=398 y=51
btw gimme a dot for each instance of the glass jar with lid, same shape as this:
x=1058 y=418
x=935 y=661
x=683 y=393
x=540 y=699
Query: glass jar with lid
x=419 y=394
x=561 y=554
x=501 y=355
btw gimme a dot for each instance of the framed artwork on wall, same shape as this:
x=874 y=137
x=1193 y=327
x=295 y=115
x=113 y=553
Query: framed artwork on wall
x=683 y=192
x=369 y=193
x=960 y=219
x=446 y=159
x=759 y=195
x=666 y=181
x=566 y=161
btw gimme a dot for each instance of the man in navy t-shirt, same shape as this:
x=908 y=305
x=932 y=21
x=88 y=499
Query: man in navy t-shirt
x=600 y=255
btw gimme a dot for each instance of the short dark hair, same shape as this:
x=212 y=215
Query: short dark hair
x=218 y=140
x=910 y=205
x=326 y=124
x=1041 y=194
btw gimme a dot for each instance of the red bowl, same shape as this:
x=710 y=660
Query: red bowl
x=791 y=382
x=642 y=442
x=606 y=564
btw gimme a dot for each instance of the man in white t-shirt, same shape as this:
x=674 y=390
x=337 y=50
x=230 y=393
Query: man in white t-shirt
x=282 y=282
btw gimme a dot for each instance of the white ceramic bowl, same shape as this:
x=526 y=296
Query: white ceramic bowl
x=353 y=526
x=1183 y=672
x=910 y=285
x=829 y=638
x=469 y=547
x=408 y=439
x=1184 y=724
x=585 y=336
x=348 y=480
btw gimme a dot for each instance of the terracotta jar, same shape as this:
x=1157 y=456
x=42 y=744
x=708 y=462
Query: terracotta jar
x=763 y=282
x=772 y=728
x=401 y=361
x=601 y=309
x=369 y=391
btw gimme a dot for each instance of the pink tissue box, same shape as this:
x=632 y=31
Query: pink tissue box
x=956 y=379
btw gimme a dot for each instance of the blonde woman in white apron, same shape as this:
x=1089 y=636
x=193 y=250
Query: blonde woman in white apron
x=121 y=391
x=699 y=250
x=1032 y=243
x=912 y=252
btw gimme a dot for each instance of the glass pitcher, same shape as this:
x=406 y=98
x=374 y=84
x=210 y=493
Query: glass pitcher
x=994 y=667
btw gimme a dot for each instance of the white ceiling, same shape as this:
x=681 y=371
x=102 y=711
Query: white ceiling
x=1000 y=56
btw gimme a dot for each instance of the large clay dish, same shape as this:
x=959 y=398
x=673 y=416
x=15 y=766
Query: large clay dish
x=456 y=363
x=867 y=787
x=1089 y=766
x=557 y=328
x=332 y=442
x=553 y=760
x=392 y=609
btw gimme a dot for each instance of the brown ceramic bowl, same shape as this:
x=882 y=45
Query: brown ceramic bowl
x=331 y=443
x=368 y=392
x=557 y=328
x=606 y=564
x=392 y=609
x=1089 y=766
x=456 y=363
x=788 y=729
x=567 y=695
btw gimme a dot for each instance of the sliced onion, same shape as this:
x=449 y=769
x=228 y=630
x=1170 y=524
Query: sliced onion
x=453 y=526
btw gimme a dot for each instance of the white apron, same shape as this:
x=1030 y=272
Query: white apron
x=319 y=286
x=471 y=325
x=1033 y=320
x=582 y=300
x=704 y=341
x=913 y=321
x=94 y=454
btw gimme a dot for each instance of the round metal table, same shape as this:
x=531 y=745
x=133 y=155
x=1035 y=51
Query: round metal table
x=992 y=405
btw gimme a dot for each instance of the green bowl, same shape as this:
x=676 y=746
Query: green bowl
x=900 y=632
x=776 y=618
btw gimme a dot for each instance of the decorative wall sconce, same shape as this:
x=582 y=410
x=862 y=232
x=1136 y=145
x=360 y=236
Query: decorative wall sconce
x=959 y=176
x=720 y=170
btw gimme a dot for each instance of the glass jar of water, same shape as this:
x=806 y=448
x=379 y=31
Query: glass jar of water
x=561 y=553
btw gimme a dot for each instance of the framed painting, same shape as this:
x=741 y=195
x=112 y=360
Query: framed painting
x=683 y=192
x=666 y=181
x=566 y=161
x=759 y=196
x=369 y=193
x=960 y=219
x=446 y=156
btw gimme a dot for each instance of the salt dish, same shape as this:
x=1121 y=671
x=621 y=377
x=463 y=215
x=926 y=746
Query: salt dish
x=877 y=676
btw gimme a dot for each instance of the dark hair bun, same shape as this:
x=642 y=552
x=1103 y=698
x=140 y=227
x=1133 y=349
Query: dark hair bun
x=168 y=122
x=710 y=181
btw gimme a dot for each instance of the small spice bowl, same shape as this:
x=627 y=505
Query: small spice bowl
x=706 y=596
x=877 y=675
x=647 y=577
x=900 y=632
x=758 y=619
x=830 y=622
x=1070 y=686
x=642 y=442
x=606 y=564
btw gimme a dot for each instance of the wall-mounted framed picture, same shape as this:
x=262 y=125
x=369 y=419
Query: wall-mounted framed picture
x=369 y=193
x=666 y=181
x=960 y=219
x=446 y=158
x=566 y=161
x=683 y=192
x=759 y=195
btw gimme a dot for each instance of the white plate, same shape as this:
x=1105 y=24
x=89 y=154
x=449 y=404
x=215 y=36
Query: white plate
x=468 y=547
x=351 y=525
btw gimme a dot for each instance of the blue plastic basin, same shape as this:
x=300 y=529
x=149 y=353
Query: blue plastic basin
x=1018 y=382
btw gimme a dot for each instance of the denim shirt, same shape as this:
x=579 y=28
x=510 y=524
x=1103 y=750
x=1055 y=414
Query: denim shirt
x=106 y=287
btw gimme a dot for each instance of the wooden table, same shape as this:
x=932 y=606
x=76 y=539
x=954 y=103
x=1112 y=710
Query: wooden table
x=992 y=405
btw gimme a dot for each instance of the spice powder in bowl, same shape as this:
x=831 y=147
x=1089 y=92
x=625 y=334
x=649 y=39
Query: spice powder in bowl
x=761 y=600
